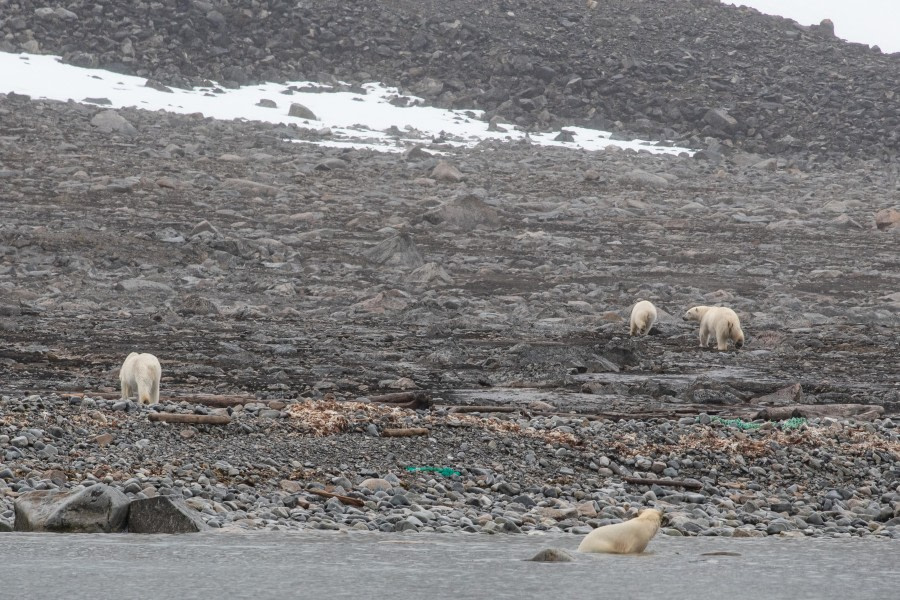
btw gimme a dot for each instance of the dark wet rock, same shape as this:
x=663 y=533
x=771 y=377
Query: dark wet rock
x=163 y=514
x=95 y=509
x=552 y=555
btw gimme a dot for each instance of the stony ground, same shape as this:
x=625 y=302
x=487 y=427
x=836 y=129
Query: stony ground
x=256 y=265
x=656 y=69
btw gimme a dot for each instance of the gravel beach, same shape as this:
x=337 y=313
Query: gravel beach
x=288 y=287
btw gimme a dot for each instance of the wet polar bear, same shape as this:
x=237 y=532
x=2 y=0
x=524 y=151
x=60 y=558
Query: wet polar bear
x=630 y=537
x=643 y=316
x=140 y=375
x=718 y=321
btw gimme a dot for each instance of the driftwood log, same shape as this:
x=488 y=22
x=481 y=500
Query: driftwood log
x=412 y=400
x=214 y=400
x=192 y=419
x=863 y=412
x=343 y=499
x=404 y=432
x=487 y=409
x=689 y=485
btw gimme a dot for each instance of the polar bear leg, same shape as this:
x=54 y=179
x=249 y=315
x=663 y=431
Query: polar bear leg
x=154 y=391
x=722 y=337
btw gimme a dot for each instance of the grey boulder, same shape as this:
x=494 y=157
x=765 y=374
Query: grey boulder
x=164 y=514
x=95 y=509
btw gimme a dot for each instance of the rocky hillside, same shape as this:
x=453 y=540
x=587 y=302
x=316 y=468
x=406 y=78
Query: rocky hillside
x=696 y=71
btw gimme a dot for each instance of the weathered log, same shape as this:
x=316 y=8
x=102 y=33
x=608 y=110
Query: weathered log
x=411 y=400
x=690 y=485
x=212 y=400
x=343 y=499
x=192 y=419
x=398 y=397
x=488 y=409
x=863 y=412
x=611 y=416
x=404 y=432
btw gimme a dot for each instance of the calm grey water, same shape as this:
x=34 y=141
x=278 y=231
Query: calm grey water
x=326 y=565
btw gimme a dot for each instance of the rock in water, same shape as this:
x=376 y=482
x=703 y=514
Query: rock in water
x=552 y=555
x=300 y=111
x=163 y=514
x=96 y=509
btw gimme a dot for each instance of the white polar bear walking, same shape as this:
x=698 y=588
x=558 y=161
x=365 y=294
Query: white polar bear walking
x=643 y=316
x=140 y=375
x=630 y=537
x=718 y=321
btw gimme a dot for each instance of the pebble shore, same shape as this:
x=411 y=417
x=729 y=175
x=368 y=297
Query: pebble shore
x=824 y=477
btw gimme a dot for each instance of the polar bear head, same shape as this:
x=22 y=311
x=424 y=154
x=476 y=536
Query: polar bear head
x=696 y=313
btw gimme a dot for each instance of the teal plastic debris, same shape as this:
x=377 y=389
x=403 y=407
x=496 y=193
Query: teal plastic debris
x=445 y=471
x=792 y=423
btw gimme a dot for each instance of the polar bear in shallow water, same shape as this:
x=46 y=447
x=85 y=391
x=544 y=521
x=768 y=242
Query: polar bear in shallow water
x=630 y=537
x=643 y=316
x=718 y=321
x=140 y=375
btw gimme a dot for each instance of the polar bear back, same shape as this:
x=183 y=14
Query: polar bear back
x=643 y=316
x=140 y=375
x=630 y=537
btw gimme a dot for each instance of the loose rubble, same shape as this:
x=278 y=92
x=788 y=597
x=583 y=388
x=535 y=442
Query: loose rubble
x=514 y=473
x=306 y=280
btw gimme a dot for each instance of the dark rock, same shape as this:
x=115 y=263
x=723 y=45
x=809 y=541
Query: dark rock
x=465 y=211
x=95 y=509
x=163 y=514
x=398 y=250
x=300 y=111
x=552 y=555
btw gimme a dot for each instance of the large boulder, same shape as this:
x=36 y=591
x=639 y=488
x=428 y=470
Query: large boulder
x=164 y=514
x=95 y=509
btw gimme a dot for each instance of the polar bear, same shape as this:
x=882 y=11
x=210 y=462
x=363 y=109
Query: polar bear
x=720 y=321
x=140 y=375
x=630 y=537
x=643 y=316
